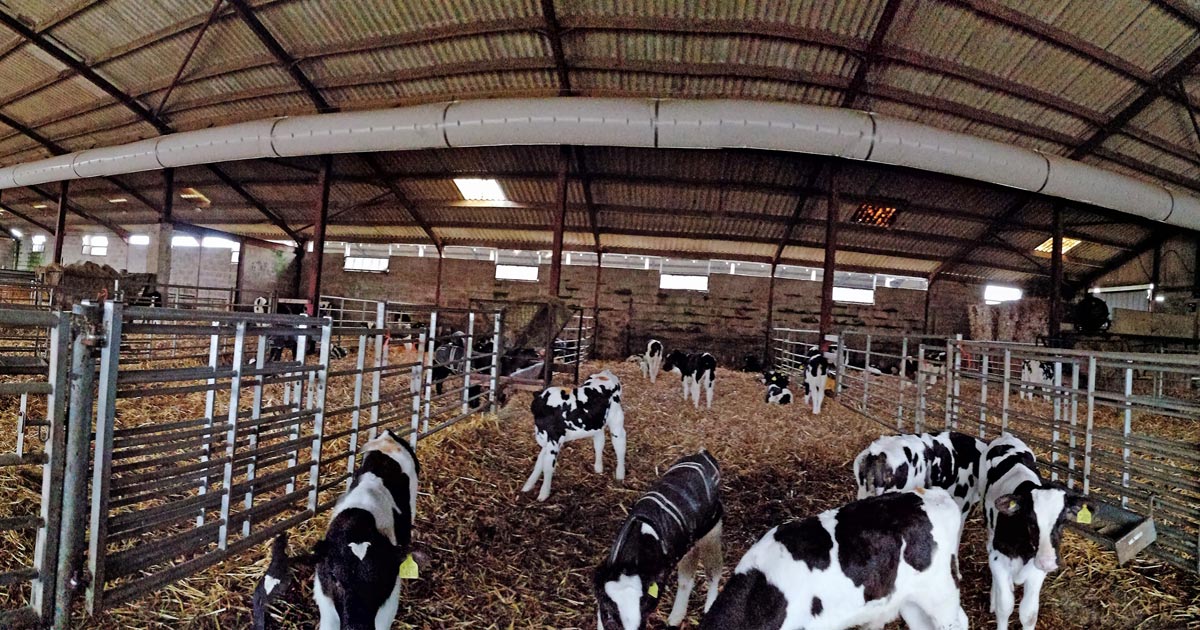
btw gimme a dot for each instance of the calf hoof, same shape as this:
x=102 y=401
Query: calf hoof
x=543 y=496
x=620 y=476
x=598 y=469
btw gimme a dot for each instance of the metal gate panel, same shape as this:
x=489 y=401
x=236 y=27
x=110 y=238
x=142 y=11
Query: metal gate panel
x=31 y=471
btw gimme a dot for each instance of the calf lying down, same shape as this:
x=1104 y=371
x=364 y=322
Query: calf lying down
x=672 y=526
x=863 y=564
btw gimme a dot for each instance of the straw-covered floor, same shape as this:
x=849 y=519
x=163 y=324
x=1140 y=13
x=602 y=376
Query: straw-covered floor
x=500 y=559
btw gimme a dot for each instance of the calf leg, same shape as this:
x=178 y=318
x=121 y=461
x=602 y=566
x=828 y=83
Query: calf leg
x=915 y=618
x=1030 y=598
x=1002 y=592
x=713 y=558
x=598 y=442
x=708 y=391
x=687 y=581
x=548 y=470
x=538 y=467
x=696 y=391
x=685 y=388
x=818 y=397
x=616 y=426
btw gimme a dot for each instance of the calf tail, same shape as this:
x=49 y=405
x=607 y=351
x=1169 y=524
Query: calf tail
x=276 y=581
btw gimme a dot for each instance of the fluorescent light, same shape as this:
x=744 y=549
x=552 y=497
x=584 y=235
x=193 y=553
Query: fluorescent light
x=118 y=200
x=192 y=194
x=139 y=239
x=855 y=296
x=996 y=293
x=1157 y=298
x=216 y=242
x=17 y=233
x=40 y=206
x=480 y=189
x=682 y=282
x=516 y=272
x=1047 y=246
x=184 y=241
x=38 y=239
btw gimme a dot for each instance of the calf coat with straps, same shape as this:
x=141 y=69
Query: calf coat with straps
x=694 y=370
x=1025 y=518
x=357 y=582
x=777 y=387
x=862 y=564
x=673 y=525
x=565 y=414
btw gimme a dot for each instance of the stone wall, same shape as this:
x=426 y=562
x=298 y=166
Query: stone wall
x=729 y=319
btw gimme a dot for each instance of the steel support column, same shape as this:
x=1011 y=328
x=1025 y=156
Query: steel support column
x=560 y=219
x=1056 y=277
x=320 y=218
x=1196 y=267
x=60 y=224
x=770 y=316
x=928 y=298
x=831 y=221
x=437 y=289
x=596 y=303
x=1156 y=276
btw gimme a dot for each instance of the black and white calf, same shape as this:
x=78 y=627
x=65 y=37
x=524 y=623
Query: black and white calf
x=1036 y=375
x=816 y=379
x=694 y=370
x=565 y=414
x=357 y=582
x=676 y=524
x=862 y=564
x=1025 y=517
x=652 y=361
x=947 y=460
x=777 y=387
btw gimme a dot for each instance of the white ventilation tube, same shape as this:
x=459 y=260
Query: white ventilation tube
x=708 y=124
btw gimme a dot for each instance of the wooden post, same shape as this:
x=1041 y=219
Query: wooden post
x=320 y=219
x=1056 y=278
x=831 y=221
x=560 y=219
x=770 y=316
x=60 y=225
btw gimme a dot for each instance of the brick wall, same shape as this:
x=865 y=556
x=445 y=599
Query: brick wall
x=728 y=320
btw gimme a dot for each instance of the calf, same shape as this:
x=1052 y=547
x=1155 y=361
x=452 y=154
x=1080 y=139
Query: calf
x=653 y=359
x=357 y=582
x=862 y=564
x=932 y=365
x=777 y=388
x=1025 y=517
x=674 y=525
x=1036 y=375
x=947 y=460
x=565 y=414
x=448 y=359
x=816 y=378
x=694 y=370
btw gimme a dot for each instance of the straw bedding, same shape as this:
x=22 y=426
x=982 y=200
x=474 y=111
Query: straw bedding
x=499 y=559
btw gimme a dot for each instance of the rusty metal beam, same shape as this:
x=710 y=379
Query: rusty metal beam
x=378 y=171
x=808 y=191
x=282 y=56
x=554 y=287
x=1145 y=245
x=187 y=58
x=73 y=208
x=1056 y=276
x=24 y=217
x=882 y=26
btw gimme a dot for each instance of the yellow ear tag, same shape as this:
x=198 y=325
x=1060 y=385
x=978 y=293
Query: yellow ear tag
x=653 y=591
x=1084 y=516
x=408 y=569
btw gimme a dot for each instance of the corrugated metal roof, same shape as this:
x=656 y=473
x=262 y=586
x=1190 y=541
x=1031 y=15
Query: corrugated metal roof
x=987 y=69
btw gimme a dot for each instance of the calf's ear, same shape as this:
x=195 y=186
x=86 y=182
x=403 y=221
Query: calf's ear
x=1008 y=504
